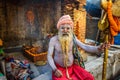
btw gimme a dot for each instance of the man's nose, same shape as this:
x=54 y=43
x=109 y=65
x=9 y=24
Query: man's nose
x=65 y=30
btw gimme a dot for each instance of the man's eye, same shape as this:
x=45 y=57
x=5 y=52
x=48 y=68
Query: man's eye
x=62 y=27
x=68 y=28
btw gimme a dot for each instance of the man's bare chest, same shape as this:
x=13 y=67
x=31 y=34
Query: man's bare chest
x=59 y=49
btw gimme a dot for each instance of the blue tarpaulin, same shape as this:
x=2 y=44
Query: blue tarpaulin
x=117 y=39
x=93 y=8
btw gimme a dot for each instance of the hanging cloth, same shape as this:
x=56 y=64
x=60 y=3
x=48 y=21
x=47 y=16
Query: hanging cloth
x=77 y=54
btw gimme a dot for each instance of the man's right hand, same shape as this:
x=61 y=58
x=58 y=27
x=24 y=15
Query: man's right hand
x=58 y=73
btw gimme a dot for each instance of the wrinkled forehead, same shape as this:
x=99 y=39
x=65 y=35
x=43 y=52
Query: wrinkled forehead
x=65 y=25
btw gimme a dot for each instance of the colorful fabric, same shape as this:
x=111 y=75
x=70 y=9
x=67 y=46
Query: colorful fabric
x=1 y=51
x=77 y=54
x=66 y=19
x=76 y=73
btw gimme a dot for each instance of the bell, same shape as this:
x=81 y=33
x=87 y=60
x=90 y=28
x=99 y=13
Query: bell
x=103 y=25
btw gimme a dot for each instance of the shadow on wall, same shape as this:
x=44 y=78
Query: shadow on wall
x=91 y=28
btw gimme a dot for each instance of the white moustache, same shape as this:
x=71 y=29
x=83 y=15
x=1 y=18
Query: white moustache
x=65 y=34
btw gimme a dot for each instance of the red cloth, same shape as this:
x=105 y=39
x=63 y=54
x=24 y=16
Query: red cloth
x=75 y=72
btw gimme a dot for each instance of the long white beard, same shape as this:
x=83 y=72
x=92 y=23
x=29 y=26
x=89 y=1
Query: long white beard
x=65 y=41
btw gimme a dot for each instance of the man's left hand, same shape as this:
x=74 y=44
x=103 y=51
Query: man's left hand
x=103 y=46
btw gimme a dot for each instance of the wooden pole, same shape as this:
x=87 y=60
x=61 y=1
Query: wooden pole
x=105 y=60
x=105 y=56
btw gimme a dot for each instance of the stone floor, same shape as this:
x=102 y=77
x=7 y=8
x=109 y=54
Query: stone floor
x=44 y=72
x=117 y=78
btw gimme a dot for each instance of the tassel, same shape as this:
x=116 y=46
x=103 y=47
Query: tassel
x=67 y=74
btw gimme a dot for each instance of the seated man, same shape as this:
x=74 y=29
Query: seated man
x=60 y=56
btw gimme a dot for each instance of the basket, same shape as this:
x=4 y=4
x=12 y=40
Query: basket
x=36 y=56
